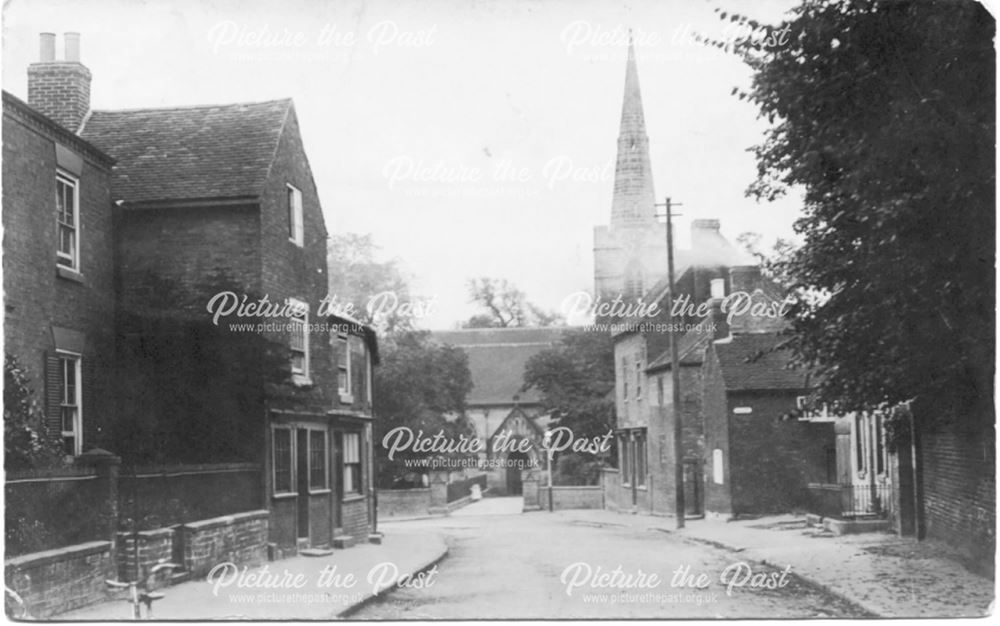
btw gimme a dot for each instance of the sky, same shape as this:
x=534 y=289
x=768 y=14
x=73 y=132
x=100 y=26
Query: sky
x=470 y=139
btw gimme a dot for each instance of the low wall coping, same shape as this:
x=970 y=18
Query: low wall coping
x=156 y=533
x=38 y=559
x=575 y=487
x=824 y=486
x=226 y=520
x=413 y=490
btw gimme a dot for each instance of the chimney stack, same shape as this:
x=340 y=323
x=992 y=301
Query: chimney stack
x=60 y=90
x=704 y=231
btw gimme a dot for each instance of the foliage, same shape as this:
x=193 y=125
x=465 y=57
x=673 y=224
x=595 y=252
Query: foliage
x=191 y=391
x=576 y=379
x=356 y=277
x=26 y=445
x=771 y=260
x=883 y=112
x=417 y=384
x=505 y=306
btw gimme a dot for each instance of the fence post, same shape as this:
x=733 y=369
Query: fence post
x=106 y=464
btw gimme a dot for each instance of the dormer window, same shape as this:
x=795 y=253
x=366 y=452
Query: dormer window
x=295 y=231
x=68 y=221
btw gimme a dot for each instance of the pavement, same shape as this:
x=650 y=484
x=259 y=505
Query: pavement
x=298 y=588
x=884 y=574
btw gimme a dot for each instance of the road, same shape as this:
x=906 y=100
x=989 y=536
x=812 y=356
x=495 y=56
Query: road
x=503 y=564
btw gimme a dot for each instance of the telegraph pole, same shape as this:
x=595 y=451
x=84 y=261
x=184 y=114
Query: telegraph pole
x=675 y=373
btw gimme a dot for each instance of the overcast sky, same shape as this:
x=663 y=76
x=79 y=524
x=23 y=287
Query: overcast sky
x=470 y=138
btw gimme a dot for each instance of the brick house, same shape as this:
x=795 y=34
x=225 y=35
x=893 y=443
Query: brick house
x=158 y=211
x=644 y=399
x=59 y=274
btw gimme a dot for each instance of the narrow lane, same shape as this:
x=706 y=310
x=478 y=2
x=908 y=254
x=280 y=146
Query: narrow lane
x=504 y=565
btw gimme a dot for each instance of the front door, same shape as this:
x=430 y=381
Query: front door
x=302 y=474
x=338 y=479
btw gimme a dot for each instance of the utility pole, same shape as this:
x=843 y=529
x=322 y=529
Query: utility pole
x=675 y=373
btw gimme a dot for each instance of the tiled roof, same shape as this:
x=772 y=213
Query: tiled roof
x=189 y=153
x=757 y=362
x=689 y=347
x=497 y=357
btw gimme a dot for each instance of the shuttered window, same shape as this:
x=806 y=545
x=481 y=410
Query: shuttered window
x=64 y=399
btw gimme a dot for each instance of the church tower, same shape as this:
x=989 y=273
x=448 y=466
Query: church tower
x=630 y=253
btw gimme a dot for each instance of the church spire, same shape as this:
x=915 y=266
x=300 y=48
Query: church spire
x=633 y=196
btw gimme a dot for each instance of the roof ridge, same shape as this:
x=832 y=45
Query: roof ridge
x=189 y=107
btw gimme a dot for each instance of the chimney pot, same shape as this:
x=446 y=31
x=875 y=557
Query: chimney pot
x=47 y=47
x=72 y=47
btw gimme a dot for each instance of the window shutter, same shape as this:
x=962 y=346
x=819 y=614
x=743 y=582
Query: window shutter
x=53 y=396
x=88 y=427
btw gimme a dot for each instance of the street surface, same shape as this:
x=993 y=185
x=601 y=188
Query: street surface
x=503 y=564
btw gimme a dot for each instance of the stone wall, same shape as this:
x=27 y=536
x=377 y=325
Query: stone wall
x=152 y=546
x=403 y=502
x=240 y=538
x=56 y=581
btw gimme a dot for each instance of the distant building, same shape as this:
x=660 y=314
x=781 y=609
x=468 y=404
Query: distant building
x=496 y=406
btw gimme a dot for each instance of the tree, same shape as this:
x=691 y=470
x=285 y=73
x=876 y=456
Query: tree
x=25 y=442
x=505 y=306
x=417 y=384
x=883 y=112
x=576 y=379
x=356 y=277
x=772 y=260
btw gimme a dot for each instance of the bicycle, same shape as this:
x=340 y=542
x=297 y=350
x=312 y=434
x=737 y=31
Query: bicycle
x=144 y=592
x=14 y=605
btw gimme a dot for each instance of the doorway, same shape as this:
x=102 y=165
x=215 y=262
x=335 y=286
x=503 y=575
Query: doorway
x=302 y=481
x=516 y=462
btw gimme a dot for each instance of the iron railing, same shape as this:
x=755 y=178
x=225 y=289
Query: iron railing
x=864 y=499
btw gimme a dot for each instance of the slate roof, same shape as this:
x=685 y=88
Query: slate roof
x=750 y=363
x=497 y=357
x=189 y=153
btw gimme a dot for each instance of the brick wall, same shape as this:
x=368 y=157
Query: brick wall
x=61 y=580
x=240 y=538
x=959 y=493
x=772 y=461
x=355 y=519
x=290 y=271
x=716 y=419
x=36 y=297
x=175 y=260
